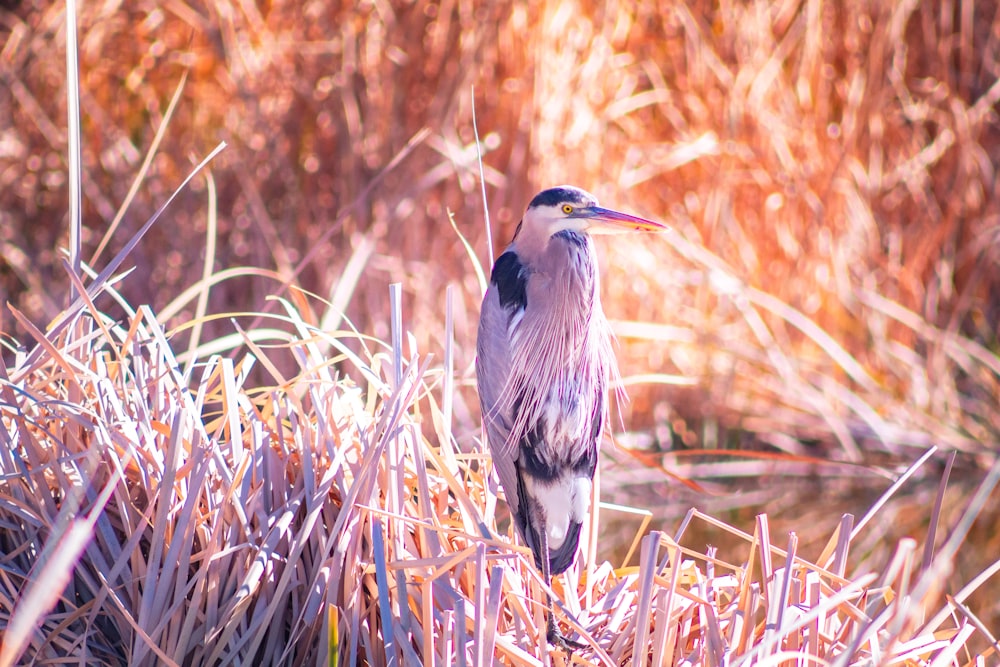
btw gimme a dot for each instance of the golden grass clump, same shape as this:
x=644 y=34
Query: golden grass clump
x=156 y=512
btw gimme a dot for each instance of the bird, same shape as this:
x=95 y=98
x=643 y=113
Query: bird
x=544 y=361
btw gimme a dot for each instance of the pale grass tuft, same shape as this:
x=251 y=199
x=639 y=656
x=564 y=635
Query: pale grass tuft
x=153 y=517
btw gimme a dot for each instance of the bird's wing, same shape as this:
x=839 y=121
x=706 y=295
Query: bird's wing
x=493 y=359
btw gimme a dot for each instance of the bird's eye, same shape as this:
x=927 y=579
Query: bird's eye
x=567 y=209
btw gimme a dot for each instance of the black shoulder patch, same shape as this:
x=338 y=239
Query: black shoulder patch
x=564 y=193
x=508 y=276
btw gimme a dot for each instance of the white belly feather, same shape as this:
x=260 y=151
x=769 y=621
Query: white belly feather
x=564 y=500
x=565 y=420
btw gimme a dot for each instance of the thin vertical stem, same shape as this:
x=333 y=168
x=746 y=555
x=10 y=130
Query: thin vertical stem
x=73 y=126
x=482 y=181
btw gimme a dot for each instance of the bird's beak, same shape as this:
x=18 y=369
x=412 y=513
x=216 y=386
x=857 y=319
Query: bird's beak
x=606 y=221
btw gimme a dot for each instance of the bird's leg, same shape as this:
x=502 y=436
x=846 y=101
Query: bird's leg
x=552 y=634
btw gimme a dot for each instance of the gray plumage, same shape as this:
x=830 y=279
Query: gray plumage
x=544 y=362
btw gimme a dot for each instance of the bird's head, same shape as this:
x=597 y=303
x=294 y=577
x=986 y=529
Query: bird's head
x=570 y=208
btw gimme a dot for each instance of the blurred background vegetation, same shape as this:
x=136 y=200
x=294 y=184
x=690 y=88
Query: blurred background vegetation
x=831 y=291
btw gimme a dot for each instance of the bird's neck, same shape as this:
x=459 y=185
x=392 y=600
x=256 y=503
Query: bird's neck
x=567 y=278
x=570 y=258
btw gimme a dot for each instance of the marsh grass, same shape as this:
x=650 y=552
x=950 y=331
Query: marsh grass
x=248 y=472
x=156 y=516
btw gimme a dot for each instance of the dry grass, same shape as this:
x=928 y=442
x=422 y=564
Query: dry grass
x=191 y=519
x=275 y=486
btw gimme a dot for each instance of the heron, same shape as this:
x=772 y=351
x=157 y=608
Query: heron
x=544 y=360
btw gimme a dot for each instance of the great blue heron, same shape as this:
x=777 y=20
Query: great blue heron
x=544 y=360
